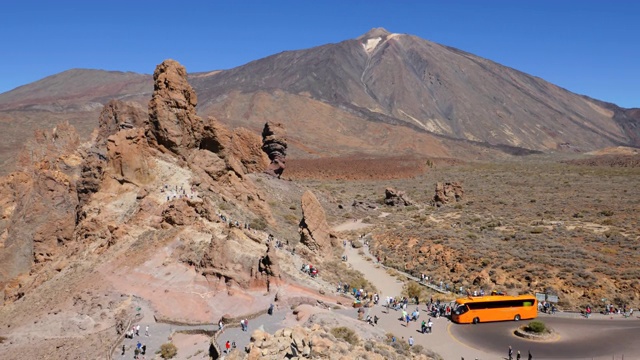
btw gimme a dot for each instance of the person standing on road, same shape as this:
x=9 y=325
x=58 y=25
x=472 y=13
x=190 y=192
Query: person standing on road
x=510 y=353
x=530 y=356
x=518 y=355
x=410 y=340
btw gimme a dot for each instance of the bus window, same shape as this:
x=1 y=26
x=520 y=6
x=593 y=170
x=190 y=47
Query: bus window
x=460 y=309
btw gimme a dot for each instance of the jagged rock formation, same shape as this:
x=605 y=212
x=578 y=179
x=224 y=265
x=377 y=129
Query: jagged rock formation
x=363 y=205
x=274 y=143
x=268 y=264
x=173 y=123
x=91 y=173
x=448 y=192
x=118 y=115
x=39 y=207
x=115 y=116
x=395 y=197
x=314 y=231
x=129 y=158
x=56 y=205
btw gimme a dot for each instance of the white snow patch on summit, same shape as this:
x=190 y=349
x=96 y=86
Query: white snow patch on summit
x=371 y=44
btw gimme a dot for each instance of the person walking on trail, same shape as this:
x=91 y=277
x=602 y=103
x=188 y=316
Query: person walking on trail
x=227 y=346
x=530 y=357
x=510 y=353
x=518 y=355
x=146 y=330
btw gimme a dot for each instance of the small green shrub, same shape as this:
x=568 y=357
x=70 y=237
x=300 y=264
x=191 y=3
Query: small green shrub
x=606 y=213
x=537 y=327
x=346 y=334
x=168 y=351
x=259 y=224
x=291 y=219
x=537 y=230
x=412 y=289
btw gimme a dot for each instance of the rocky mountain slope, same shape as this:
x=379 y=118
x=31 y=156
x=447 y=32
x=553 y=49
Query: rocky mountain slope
x=360 y=96
x=165 y=201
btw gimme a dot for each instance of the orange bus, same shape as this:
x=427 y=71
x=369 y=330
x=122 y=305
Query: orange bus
x=475 y=309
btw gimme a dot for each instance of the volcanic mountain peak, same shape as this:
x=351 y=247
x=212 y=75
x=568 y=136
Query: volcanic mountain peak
x=374 y=33
x=373 y=38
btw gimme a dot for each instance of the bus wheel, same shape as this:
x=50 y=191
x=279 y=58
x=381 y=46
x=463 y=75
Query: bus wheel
x=517 y=318
x=476 y=320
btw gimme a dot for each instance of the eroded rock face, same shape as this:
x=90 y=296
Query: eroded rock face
x=173 y=123
x=129 y=159
x=274 y=143
x=118 y=115
x=448 y=192
x=269 y=262
x=396 y=198
x=92 y=169
x=39 y=206
x=314 y=231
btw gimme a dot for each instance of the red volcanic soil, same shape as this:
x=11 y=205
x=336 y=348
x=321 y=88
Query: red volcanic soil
x=360 y=168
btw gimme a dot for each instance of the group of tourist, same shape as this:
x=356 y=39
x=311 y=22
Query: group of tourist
x=175 y=192
x=518 y=355
x=231 y=223
x=140 y=349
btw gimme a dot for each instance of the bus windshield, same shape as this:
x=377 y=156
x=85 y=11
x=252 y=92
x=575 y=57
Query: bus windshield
x=460 y=309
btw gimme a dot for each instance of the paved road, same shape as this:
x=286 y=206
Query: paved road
x=595 y=338
x=440 y=341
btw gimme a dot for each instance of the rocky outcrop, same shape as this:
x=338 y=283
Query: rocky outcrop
x=314 y=231
x=246 y=148
x=179 y=213
x=129 y=158
x=363 y=205
x=396 y=198
x=91 y=171
x=115 y=116
x=268 y=264
x=238 y=150
x=448 y=192
x=118 y=115
x=274 y=143
x=317 y=342
x=173 y=123
x=39 y=206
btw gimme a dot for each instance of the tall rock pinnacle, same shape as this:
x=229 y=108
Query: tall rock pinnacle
x=173 y=122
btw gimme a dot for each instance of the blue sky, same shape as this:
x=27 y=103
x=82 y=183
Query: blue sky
x=588 y=47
